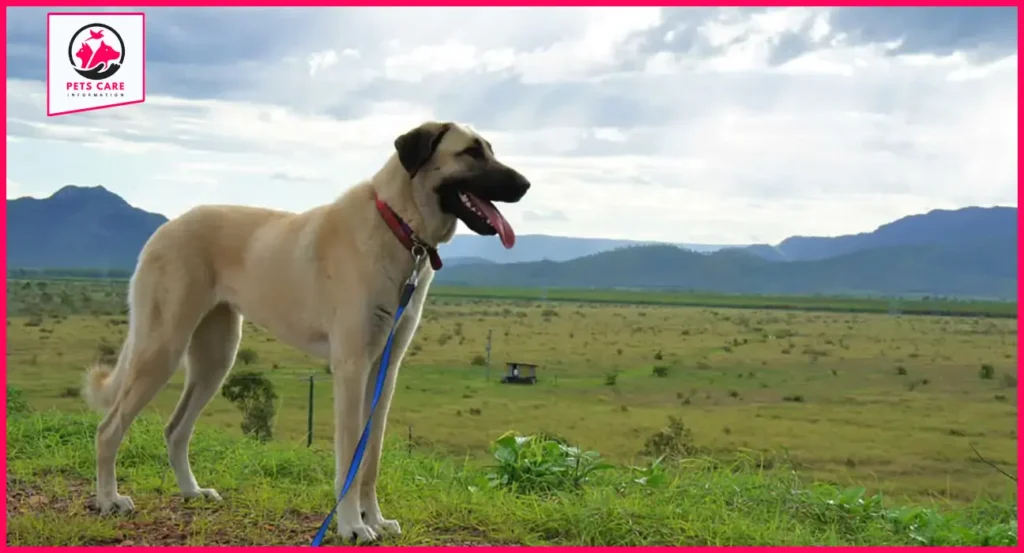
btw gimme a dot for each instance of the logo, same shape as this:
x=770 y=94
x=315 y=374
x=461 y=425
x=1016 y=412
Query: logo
x=94 y=61
x=90 y=54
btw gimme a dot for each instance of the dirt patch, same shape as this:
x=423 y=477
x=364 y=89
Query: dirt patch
x=170 y=520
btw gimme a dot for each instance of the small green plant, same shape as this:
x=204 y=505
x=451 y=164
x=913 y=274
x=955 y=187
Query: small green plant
x=901 y=370
x=660 y=371
x=611 y=378
x=987 y=372
x=255 y=397
x=541 y=464
x=658 y=356
x=653 y=475
x=16 y=402
x=248 y=356
x=672 y=442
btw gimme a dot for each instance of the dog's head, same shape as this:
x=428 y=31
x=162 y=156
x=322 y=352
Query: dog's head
x=454 y=174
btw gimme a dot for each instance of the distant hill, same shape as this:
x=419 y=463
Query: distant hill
x=539 y=247
x=77 y=227
x=456 y=261
x=961 y=226
x=983 y=270
x=966 y=252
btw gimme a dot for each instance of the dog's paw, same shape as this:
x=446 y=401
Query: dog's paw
x=387 y=527
x=208 y=493
x=359 y=532
x=118 y=504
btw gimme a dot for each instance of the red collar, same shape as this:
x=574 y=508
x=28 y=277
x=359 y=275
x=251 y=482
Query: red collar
x=405 y=234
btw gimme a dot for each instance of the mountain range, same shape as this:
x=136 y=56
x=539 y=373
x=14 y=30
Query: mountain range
x=965 y=252
x=77 y=227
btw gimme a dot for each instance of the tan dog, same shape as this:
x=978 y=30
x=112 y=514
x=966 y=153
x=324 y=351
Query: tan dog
x=326 y=281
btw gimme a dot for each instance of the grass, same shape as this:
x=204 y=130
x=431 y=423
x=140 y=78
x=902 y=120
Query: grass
x=277 y=494
x=925 y=305
x=891 y=404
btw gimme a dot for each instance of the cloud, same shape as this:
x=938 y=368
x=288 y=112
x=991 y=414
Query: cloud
x=687 y=125
x=13 y=189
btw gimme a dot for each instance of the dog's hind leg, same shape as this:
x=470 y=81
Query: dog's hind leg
x=166 y=306
x=209 y=357
x=150 y=363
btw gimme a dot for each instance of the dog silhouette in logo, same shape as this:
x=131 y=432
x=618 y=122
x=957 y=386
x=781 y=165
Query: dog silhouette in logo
x=102 y=56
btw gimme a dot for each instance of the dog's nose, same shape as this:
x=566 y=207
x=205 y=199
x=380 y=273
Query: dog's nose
x=523 y=184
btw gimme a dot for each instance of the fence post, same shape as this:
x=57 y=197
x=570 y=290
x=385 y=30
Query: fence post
x=487 y=366
x=309 y=417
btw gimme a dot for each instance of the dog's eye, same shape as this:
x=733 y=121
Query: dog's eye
x=475 y=152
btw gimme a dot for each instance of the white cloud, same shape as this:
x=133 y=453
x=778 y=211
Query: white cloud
x=720 y=147
x=13 y=189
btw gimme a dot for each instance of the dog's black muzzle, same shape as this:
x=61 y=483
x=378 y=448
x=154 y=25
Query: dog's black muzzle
x=497 y=183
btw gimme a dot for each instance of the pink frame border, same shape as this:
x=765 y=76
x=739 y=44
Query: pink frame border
x=410 y=3
x=56 y=113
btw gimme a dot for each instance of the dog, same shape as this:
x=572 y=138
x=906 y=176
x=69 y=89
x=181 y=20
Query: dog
x=326 y=281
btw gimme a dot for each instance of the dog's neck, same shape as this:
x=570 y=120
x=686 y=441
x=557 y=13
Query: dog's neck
x=392 y=185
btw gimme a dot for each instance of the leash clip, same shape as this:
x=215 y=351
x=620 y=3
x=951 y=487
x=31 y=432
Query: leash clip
x=418 y=251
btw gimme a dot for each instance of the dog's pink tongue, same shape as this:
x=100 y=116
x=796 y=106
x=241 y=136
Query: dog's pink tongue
x=497 y=220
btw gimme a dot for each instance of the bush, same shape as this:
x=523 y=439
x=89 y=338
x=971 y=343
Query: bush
x=611 y=378
x=16 y=402
x=478 y=360
x=987 y=372
x=660 y=371
x=672 y=442
x=247 y=356
x=255 y=397
x=541 y=464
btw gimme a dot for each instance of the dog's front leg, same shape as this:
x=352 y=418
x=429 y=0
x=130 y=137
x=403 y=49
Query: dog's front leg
x=371 y=463
x=351 y=368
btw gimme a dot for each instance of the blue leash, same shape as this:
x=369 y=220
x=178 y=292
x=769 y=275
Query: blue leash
x=385 y=358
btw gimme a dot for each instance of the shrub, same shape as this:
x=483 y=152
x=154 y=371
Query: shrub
x=255 y=397
x=478 y=360
x=987 y=372
x=660 y=371
x=541 y=464
x=16 y=402
x=248 y=356
x=672 y=442
x=611 y=378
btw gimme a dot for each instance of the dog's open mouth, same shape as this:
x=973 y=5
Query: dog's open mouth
x=489 y=215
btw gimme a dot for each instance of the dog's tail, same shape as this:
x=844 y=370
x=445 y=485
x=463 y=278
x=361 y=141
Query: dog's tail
x=103 y=382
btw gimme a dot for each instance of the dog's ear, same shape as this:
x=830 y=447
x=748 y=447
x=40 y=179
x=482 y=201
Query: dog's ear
x=416 y=146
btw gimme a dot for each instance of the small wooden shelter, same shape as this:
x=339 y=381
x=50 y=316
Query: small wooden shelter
x=520 y=373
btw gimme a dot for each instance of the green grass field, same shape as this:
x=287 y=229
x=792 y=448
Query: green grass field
x=893 y=404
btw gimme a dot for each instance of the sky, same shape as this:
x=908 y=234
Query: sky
x=699 y=125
